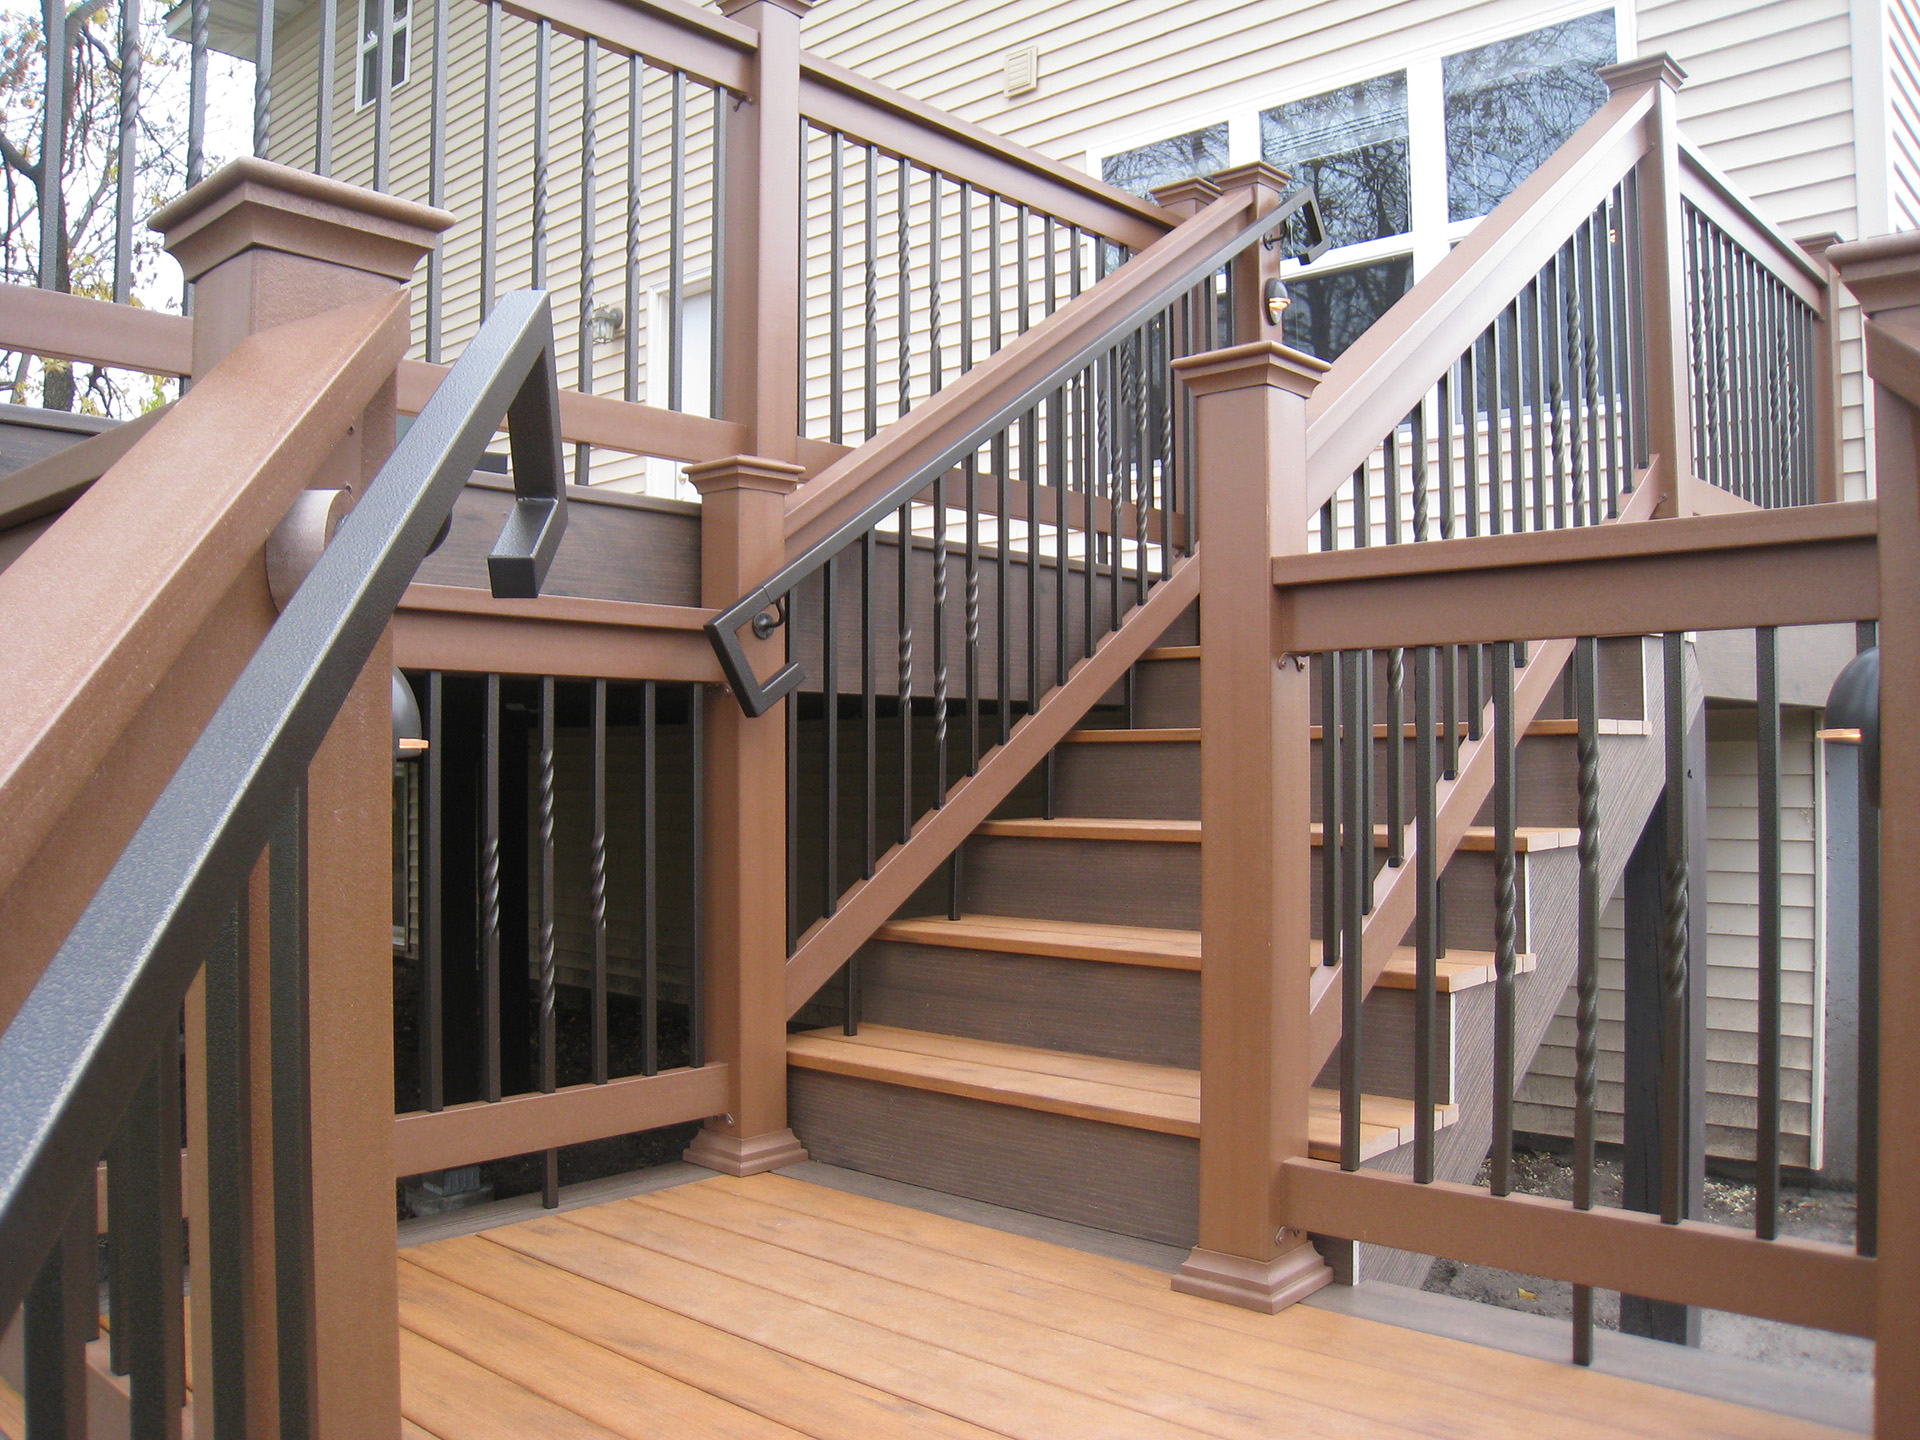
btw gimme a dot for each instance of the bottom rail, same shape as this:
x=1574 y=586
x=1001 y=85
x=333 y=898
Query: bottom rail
x=1800 y=1282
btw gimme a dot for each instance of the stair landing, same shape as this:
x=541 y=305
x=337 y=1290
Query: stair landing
x=771 y=1307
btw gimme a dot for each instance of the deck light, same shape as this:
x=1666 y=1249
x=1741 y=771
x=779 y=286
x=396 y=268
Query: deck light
x=1853 y=716
x=408 y=742
x=1277 y=300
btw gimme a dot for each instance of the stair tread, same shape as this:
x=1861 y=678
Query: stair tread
x=1190 y=734
x=1172 y=652
x=1458 y=969
x=1119 y=1092
x=1187 y=832
x=1171 y=734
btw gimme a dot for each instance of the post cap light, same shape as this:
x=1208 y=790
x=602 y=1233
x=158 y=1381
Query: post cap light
x=1853 y=714
x=1277 y=300
x=409 y=743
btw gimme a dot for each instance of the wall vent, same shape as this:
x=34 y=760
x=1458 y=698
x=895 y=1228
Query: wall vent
x=1020 y=71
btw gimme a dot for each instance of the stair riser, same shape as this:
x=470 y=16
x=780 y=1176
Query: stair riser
x=1120 y=1012
x=1132 y=1182
x=1166 y=694
x=1467 y=904
x=1106 y=882
x=1160 y=780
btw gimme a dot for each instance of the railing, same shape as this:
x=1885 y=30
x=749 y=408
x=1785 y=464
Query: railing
x=100 y=1027
x=1065 y=507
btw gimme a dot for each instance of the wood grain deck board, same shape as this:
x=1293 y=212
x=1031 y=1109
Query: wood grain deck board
x=807 y=1310
x=1115 y=1092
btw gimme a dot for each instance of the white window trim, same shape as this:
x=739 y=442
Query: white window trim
x=1430 y=234
x=403 y=42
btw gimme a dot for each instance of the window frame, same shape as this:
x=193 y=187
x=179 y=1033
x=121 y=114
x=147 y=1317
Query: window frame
x=364 y=45
x=1431 y=233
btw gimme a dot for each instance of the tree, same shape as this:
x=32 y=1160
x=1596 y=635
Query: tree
x=85 y=131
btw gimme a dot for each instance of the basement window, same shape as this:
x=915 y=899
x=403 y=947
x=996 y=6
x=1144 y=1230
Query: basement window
x=369 y=50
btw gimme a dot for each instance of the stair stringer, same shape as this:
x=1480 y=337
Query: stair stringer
x=827 y=945
x=1632 y=776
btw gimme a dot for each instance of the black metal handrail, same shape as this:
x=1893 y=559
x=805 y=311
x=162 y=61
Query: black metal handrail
x=111 y=997
x=765 y=607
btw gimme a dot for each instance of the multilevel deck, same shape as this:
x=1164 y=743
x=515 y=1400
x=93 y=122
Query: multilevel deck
x=769 y=1308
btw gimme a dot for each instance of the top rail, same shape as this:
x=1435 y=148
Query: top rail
x=1707 y=189
x=148 y=552
x=113 y=992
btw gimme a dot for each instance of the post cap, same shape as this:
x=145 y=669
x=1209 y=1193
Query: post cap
x=1632 y=74
x=1883 y=272
x=1243 y=367
x=1254 y=172
x=730 y=8
x=256 y=204
x=1189 y=196
x=745 y=472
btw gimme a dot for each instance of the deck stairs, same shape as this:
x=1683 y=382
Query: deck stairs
x=1042 y=1051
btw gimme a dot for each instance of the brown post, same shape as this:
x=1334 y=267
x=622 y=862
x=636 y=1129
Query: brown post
x=1884 y=275
x=1828 y=466
x=1255 y=775
x=1663 y=275
x=758 y=321
x=1253 y=267
x=265 y=245
x=742 y=542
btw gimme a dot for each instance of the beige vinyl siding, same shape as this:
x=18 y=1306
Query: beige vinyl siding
x=1903 y=115
x=1732 y=916
x=296 y=49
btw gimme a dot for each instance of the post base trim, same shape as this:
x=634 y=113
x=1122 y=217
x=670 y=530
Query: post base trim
x=739 y=1155
x=1268 y=1286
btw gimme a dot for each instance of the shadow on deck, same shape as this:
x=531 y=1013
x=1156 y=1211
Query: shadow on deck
x=777 y=1307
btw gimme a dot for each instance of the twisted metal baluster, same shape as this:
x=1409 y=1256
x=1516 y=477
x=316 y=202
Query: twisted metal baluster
x=1586 y=1065
x=597 y=882
x=940 y=641
x=906 y=675
x=490 y=898
x=1674 y=940
x=1506 y=917
x=549 y=1058
x=904 y=246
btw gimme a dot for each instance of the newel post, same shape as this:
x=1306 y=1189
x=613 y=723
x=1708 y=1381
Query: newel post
x=757 y=293
x=1663 y=276
x=742 y=541
x=1255 y=877
x=265 y=245
x=1884 y=275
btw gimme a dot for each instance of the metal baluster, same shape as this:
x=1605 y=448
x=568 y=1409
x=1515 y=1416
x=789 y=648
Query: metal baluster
x=542 y=108
x=58 y=1319
x=125 y=154
x=1396 y=758
x=489 y=163
x=636 y=164
x=939 y=641
x=1417 y=426
x=903 y=252
x=1604 y=308
x=1538 y=303
x=716 y=269
x=1332 y=778
x=1676 y=904
x=1586 y=1064
x=589 y=112
x=1496 y=449
x=323 y=94
x=790 y=722
x=836 y=299
x=1626 y=312
x=382 y=91
x=199 y=18
x=830 y=708
x=650 y=877
x=1470 y=426
x=1030 y=473
x=1866 y=1219
x=548 y=1039
x=676 y=245
x=966 y=276
x=1506 y=917
x=1557 y=389
x=433 y=1050
x=1515 y=366
x=1599 y=505
x=1426 y=934
x=1390 y=483
x=597 y=883
x=870 y=712
x=904 y=632
x=1766 y=667
x=156 y=1332
x=696 y=722
x=1358 y=847
x=870 y=337
x=1001 y=453
x=490 y=896
x=1444 y=413
x=936 y=265
x=288 y=1046
x=971 y=468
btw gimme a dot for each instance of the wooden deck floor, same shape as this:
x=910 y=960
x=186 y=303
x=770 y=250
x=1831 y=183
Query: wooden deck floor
x=771 y=1307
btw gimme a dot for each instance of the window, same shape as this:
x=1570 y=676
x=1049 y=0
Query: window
x=1350 y=144
x=1404 y=163
x=1511 y=104
x=1179 y=157
x=369 y=67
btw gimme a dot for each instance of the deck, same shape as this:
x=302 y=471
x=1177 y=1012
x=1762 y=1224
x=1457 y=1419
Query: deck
x=772 y=1307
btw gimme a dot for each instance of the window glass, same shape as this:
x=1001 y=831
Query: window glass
x=1178 y=157
x=1511 y=104
x=1329 y=312
x=1350 y=144
x=370 y=47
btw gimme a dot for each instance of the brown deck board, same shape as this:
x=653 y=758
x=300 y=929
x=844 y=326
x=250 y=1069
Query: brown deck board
x=809 y=1310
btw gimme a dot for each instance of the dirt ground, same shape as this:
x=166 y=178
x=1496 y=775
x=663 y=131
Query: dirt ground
x=1813 y=1214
